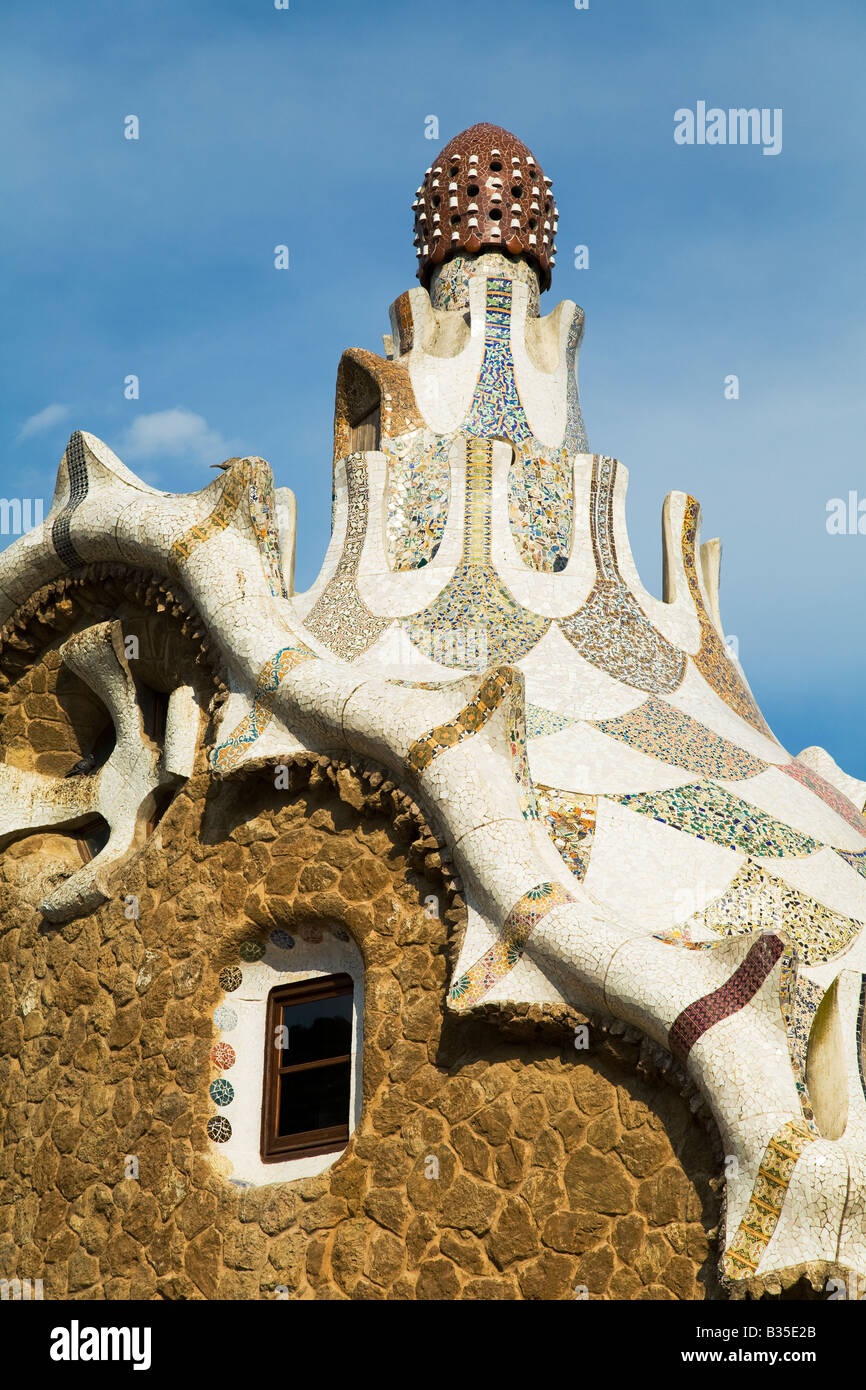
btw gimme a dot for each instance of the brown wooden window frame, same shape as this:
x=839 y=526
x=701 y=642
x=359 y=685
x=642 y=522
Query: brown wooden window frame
x=278 y=1148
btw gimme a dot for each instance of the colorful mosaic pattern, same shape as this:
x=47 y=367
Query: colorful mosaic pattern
x=263 y=516
x=221 y=1092
x=856 y=858
x=497 y=409
x=743 y=1255
x=728 y=999
x=471 y=718
x=237 y=479
x=231 y=978
x=339 y=617
x=520 y=761
x=471 y=987
x=398 y=409
x=794 y=998
x=405 y=323
x=223 y=1056
x=475 y=621
x=225 y=1018
x=251 y=951
x=755 y=899
x=249 y=479
x=611 y=630
x=541 y=721
x=570 y=821
x=228 y=755
x=827 y=792
x=861 y=1036
x=664 y=732
x=449 y=289
x=541 y=511
x=711 y=813
x=219 y=1129
x=283 y=940
x=449 y=283
x=800 y=1009
x=712 y=660
x=76 y=472
x=798 y=999
x=418 y=496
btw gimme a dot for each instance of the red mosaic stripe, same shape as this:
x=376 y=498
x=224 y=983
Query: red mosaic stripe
x=728 y=999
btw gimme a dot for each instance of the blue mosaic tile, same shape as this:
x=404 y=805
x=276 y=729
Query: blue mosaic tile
x=222 y=1092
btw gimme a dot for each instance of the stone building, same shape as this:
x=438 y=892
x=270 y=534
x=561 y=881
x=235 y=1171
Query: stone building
x=455 y=929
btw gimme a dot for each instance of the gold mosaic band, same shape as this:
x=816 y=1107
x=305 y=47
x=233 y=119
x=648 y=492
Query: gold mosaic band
x=252 y=478
x=744 y=1254
x=505 y=953
x=470 y=719
x=228 y=754
x=217 y=520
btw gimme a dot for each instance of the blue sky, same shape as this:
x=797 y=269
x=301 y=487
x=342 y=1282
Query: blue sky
x=306 y=127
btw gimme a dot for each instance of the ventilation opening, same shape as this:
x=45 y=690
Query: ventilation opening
x=358 y=417
x=154 y=711
x=91 y=838
x=162 y=800
x=365 y=433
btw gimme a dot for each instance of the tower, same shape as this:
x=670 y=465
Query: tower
x=436 y=931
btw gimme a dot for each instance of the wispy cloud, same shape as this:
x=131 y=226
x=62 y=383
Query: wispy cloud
x=43 y=420
x=176 y=434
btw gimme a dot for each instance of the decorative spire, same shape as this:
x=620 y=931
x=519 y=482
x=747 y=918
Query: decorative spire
x=485 y=190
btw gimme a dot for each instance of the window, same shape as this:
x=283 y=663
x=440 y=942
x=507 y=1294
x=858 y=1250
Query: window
x=308 y=1068
x=365 y=433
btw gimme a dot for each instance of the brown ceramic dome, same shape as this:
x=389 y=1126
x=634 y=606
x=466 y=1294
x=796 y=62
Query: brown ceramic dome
x=485 y=191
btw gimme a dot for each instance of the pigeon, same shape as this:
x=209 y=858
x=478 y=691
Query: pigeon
x=83 y=767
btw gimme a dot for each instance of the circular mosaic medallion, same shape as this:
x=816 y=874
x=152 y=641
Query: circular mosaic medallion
x=222 y=1092
x=223 y=1056
x=283 y=940
x=219 y=1129
x=252 y=950
x=230 y=978
x=311 y=933
x=340 y=933
x=225 y=1018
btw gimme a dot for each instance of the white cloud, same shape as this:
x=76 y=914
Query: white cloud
x=176 y=434
x=43 y=420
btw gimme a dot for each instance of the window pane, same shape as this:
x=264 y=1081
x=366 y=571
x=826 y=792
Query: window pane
x=315 y=1099
x=318 y=1029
